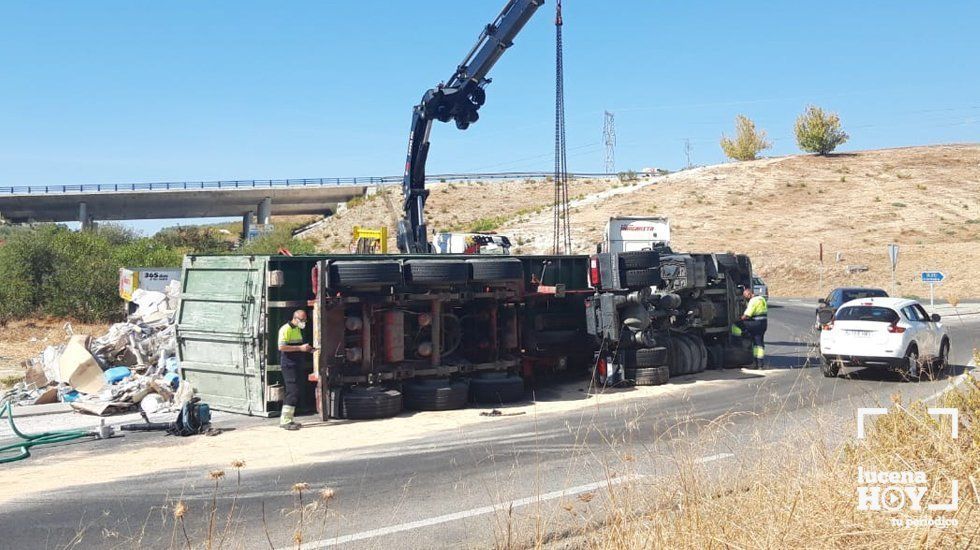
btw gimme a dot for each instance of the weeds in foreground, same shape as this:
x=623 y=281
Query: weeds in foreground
x=804 y=494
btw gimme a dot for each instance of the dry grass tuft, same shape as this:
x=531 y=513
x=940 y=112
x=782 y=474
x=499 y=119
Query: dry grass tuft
x=803 y=492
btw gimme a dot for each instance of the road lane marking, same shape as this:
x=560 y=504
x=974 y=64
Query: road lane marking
x=959 y=380
x=712 y=458
x=483 y=510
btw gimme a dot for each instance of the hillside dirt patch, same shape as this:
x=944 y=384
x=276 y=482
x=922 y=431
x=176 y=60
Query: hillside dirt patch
x=454 y=206
x=21 y=340
x=926 y=199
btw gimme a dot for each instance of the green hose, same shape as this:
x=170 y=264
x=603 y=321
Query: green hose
x=22 y=450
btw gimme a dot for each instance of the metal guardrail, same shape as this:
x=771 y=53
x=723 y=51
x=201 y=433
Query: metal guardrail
x=265 y=184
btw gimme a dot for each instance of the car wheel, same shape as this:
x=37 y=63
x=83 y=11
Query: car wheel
x=830 y=369
x=371 y=403
x=942 y=364
x=648 y=376
x=435 y=395
x=913 y=367
x=494 y=388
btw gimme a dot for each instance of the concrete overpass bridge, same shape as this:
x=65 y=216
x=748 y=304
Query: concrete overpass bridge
x=203 y=199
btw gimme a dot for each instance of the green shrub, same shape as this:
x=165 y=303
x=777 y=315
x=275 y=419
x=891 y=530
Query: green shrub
x=280 y=236
x=748 y=141
x=50 y=270
x=818 y=131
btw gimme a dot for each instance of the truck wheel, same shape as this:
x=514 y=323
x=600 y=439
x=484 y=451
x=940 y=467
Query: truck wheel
x=716 y=356
x=354 y=274
x=435 y=395
x=648 y=376
x=639 y=259
x=683 y=356
x=650 y=357
x=737 y=357
x=494 y=388
x=700 y=352
x=496 y=270
x=371 y=403
x=436 y=272
x=635 y=278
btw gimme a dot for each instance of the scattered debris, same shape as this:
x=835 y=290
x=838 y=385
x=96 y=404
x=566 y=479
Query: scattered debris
x=133 y=362
x=498 y=412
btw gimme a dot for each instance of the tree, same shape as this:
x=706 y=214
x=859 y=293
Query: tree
x=818 y=131
x=747 y=143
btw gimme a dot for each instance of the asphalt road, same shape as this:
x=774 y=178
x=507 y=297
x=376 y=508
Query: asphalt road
x=494 y=482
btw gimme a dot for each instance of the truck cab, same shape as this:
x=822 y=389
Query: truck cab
x=633 y=233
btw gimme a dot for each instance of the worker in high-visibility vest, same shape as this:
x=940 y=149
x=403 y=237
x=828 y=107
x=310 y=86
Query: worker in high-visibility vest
x=754 y=322
x=293 y=354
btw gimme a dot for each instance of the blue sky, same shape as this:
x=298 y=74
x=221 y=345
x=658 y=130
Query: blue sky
x=103 y=92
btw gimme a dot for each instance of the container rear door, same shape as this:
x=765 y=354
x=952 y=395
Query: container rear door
x=219 y=331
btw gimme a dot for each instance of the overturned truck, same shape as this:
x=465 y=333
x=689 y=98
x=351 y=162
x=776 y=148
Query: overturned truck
x=657 y=314
x=430 y=332
x=390 y=331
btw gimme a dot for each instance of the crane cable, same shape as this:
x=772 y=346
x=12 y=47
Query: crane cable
x=562 y=238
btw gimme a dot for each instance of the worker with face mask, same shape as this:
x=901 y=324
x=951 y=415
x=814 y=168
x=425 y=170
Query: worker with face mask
x=754 y=323
x=292 y=357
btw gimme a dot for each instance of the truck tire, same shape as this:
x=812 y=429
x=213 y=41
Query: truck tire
x=699 y=352
x=494 y=388
x=440 y=394
x=436 y=272
x=682 y=357
x=484 y=271
x=354 y=274
x=650 y=357
x=370 y=403
x=737 y=356
x=716 y=356
x=636 y=278
x=744 y=269
x=648 y=376
x=639 y=259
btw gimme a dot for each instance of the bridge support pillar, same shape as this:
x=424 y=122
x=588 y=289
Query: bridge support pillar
x=247 y=225
x=264 y=211
x=84 y=217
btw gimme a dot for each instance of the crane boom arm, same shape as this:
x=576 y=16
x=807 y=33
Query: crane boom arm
x=458 y=100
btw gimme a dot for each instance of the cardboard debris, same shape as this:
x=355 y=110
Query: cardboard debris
x=79 y=368
x=146 y=343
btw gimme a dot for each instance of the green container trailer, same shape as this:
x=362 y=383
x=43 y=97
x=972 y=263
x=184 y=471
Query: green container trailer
x=377 y=321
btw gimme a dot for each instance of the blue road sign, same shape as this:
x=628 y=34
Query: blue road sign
x=933 y=276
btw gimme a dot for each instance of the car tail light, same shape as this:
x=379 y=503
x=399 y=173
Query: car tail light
x=895 y=329
x=594 y=278
x=828 y=326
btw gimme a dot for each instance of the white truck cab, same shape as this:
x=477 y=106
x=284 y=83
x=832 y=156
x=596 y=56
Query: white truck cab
x=631 y=233
x=471 y=243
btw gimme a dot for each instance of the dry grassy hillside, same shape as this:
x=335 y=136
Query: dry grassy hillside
x=926 y=199
x=483 y=206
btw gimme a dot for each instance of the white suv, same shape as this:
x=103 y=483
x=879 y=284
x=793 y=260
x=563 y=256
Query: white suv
x=884 y=332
